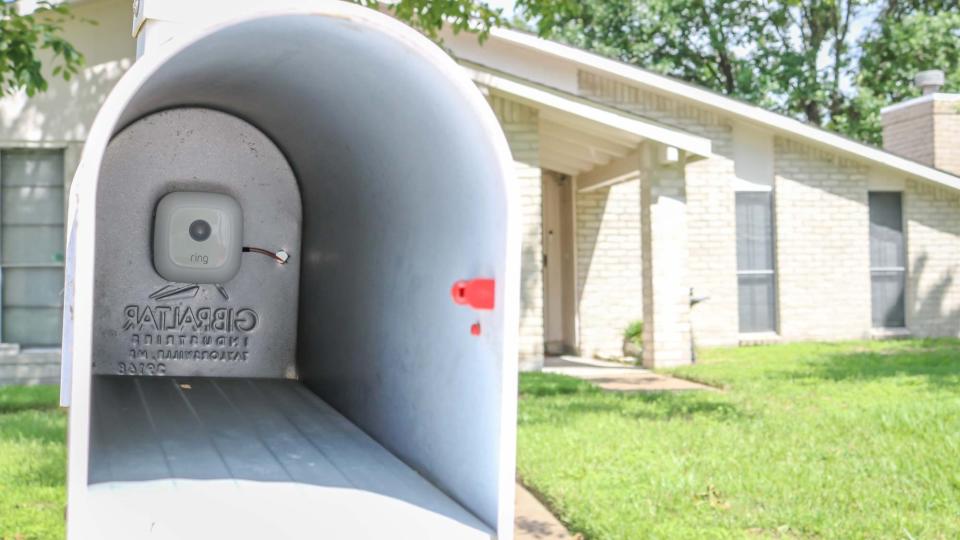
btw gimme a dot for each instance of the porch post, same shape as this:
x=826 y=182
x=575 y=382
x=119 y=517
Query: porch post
x=521 y=124
x=663 y=238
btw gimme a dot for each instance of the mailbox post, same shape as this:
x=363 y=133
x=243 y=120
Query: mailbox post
x=292 y=290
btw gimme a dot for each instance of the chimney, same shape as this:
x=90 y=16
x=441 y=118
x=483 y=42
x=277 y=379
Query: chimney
x=925 y=129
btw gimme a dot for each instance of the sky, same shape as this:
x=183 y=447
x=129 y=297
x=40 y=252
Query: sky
x=507 y=6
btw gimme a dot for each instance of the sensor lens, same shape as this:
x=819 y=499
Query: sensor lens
x=200 y=230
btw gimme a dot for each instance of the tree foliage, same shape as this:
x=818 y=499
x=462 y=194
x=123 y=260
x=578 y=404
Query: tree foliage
x=788 y=55
x=905 y=40
x=26 y=38
x=430 y=16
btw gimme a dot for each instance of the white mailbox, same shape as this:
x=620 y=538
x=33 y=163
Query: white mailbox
x=354 y=375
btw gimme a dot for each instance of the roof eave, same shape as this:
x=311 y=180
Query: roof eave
x=750 y=113
x=539 y=95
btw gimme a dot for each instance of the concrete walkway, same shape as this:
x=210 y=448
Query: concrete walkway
x=617 y=377
x=535 y=522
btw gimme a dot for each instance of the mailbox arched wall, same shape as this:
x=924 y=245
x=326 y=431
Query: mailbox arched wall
x=404 y=178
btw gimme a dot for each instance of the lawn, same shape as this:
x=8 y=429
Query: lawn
x=852 y=440
x=32 y=463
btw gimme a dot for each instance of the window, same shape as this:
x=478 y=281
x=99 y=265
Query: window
x=756 y=277
x=887 y=259
x=31 y=246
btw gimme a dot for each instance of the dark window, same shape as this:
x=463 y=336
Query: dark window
x=756 y=277
x=887 y=259
x=31 y=246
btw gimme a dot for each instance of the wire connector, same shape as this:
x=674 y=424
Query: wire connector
x=280 y=256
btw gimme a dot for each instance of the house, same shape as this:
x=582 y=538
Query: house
x=655 y=191
x=639 y=192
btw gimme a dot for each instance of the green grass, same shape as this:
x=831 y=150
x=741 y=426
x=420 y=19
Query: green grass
x=851 y=440
x=32 y=463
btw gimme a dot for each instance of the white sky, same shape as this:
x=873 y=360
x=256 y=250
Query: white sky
x=507 y=5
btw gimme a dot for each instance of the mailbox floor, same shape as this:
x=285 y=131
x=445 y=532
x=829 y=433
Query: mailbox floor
x=250 y=458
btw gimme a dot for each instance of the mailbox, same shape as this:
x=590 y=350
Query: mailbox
x=292 y=288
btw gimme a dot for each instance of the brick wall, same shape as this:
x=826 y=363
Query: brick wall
x=711 y=229
x=822 y=225
x=711 y=220
x=28 y=367
x=822 y=234
x=521 y=126
x=666 y=279
x=926 y=130
x=609 y=274
x=946 y=123
x=908 y=132
x=933 y=243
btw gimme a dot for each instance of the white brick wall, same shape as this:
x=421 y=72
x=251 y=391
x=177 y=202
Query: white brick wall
x=711 y=226
x=663 y=236
x=823 y=246
x=609 y=273
x=822 y=233
x=820 y=261
x=933 y=259
x=521 y=125
x=711 y=220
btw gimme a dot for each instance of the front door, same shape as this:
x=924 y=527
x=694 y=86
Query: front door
x=557 y=264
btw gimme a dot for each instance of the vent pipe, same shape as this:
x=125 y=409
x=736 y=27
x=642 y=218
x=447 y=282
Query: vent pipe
x=930 y=81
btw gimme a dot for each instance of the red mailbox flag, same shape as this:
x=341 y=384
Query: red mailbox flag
x=476 y=293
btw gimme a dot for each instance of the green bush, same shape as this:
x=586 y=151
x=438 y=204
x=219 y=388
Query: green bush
x=634 y=333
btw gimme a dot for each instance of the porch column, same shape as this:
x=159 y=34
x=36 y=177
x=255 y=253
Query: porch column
x=521 y=124
x=663 y=238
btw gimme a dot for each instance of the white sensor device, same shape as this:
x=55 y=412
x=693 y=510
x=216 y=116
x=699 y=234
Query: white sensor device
x=197 y=237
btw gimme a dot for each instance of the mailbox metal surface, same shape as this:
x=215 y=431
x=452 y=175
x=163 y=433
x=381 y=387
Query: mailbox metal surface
x=363 y=388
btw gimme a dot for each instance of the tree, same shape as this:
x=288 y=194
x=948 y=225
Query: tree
x=790 y=55
x=24 y=38
x=905 y=40
x=430 y=16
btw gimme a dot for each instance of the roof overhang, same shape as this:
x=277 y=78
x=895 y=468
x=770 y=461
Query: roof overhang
x=581 y=136
x=746 y=112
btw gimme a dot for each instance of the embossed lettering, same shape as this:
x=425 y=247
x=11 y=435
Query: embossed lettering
x=245 y=320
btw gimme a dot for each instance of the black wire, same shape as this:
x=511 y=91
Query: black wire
x=267 y=252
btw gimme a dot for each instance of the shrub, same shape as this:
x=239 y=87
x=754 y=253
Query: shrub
x=634 y=333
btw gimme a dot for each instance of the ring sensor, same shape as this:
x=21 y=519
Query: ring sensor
x=197 y=237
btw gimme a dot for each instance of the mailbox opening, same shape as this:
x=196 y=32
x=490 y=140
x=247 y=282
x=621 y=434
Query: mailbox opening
x=343 y=394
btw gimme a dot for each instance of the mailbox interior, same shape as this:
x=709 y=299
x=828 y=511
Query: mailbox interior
x=362 y=384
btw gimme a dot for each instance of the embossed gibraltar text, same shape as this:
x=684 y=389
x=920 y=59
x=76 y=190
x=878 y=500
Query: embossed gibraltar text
x=188 y=319
x=162 y=334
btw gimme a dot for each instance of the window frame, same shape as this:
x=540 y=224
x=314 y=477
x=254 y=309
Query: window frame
x=900 y=269
x=773 y=326
x=68 y=158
